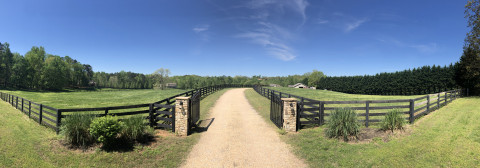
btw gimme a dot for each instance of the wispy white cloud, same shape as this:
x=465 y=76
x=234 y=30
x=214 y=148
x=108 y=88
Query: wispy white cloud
x=272 y=36
x=322 y=21
x=263 y=23
x=354 y=24
x=424 y=48
x=201 y=28
x=300 y=6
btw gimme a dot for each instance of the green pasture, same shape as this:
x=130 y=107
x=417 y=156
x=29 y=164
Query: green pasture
x=24 y=143
x=448 y=137
x=105 y=98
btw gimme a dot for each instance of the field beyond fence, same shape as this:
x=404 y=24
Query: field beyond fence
x=159 y=114
x=316 y=112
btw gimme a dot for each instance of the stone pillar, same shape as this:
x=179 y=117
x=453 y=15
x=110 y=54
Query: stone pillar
x=181 y=116
x=289 y=114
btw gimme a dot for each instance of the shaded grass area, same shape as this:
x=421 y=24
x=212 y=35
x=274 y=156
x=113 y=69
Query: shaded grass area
x=448 y=137
x=24 y=143
x=85 y=99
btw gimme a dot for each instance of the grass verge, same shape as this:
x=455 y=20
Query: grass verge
x=260 y=104
x=24 y=143
x=448 y=137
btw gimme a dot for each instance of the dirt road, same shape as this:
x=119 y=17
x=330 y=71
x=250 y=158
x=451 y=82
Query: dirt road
x=239 y=137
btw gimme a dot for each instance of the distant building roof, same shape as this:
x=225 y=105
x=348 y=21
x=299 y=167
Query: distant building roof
x=298 y=85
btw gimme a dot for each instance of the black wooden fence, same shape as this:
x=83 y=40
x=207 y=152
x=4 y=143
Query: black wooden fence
x=160 y=114
x=315 y=112
x=45 y=115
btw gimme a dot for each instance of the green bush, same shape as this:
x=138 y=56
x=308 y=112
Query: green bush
x=75 y=129
x=393 y=120
x=105 y=129
x=343 y=122
x=135 y=128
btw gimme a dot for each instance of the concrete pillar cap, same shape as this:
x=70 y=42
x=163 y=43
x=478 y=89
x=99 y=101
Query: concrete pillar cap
x=182 y=98
x=289 y=99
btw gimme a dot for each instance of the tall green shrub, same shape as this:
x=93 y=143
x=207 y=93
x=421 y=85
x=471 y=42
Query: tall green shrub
x=75 y=129
x=135 y=128
x=343 y=123
x=393 y=120
x=105 y=129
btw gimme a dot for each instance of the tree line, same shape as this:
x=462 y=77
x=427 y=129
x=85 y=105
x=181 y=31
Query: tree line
x=467 y=73
x=423 y=80
x=37 y=70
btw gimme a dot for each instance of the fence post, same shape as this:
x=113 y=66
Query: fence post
x=16 y=103
x=289 y=114
x=412 y=107
x=29 y=108
x=150 y=113
x=41 y=114
x=182 y=115
x=173 y=117
x=322 y=112
x=446 y=98
x=428 y=104
x=367 y=109
x=438 y=101
x=59 y=120
x=22 y=106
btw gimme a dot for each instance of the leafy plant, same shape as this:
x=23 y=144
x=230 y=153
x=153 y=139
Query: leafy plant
x=75 y=129
x=393 y=120
x=135 y=128
x=343 y=122
x=105 y=129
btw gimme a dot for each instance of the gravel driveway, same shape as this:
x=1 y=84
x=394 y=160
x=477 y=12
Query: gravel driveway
x=239 y=137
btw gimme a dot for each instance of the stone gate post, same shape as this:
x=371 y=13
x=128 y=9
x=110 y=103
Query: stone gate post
x=289 y=114
x=181 y=116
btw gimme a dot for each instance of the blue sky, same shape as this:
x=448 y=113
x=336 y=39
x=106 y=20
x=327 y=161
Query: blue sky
x=226 y=37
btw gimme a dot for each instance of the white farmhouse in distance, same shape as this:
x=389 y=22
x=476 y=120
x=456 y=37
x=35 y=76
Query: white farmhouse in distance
x=274 y=85
x=298 y=85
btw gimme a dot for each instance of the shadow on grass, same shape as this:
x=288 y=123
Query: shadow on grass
x=123 y=144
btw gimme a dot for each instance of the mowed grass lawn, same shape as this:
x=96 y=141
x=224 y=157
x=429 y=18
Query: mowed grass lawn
x=24 y=143
x=448 y=137
x=82 y=99
x=325 y=95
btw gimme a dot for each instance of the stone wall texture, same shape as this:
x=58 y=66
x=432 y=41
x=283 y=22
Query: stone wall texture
x=290 y=114
x=181 y=116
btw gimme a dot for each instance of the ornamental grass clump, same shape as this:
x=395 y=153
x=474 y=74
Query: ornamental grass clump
x=75 y=129
x=135 y=128
x=393 y=120
x=343 y=123
x=106 y=129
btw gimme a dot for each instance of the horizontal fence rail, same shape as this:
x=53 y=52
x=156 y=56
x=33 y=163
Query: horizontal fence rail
x=44 y=115
x=316 y=112
x=160 y=114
